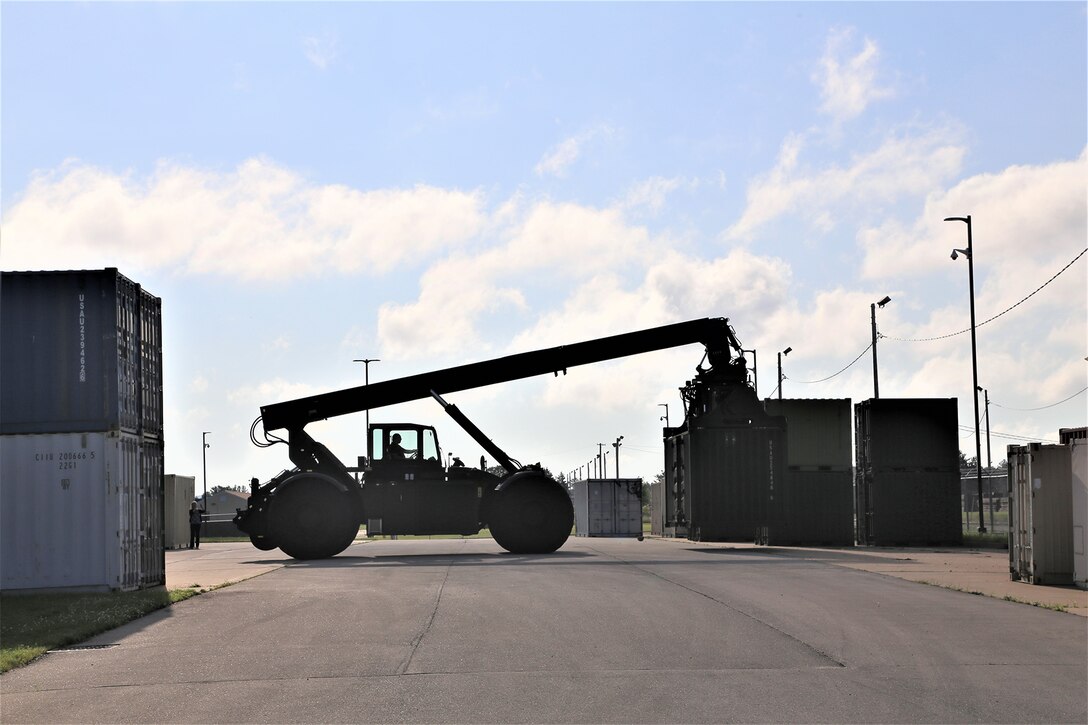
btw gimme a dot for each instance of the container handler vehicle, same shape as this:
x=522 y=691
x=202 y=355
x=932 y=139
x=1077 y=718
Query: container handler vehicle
x=315 y=509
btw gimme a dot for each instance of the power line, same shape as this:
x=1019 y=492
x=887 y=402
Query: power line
x=1008 y=435
x=953 y=334
x=808 y=382
x=1044 y=407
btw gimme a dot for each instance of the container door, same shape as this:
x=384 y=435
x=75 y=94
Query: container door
x=1020 y=563
x=600 y=509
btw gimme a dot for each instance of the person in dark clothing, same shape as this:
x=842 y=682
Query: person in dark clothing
x=196 y=518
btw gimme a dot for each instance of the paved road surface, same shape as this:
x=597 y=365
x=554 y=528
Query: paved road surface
x=603 y=631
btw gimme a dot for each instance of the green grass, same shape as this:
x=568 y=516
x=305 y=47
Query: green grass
x=986 y=541
x=33 y=624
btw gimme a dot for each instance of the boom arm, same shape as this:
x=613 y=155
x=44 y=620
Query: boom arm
x=714 y=333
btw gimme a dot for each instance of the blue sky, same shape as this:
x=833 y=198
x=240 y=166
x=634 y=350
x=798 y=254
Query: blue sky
x=433 y=184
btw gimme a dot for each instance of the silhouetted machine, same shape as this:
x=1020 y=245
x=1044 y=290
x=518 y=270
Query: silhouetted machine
x=315 y=510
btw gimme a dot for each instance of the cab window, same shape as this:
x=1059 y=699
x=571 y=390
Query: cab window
x=430 y=446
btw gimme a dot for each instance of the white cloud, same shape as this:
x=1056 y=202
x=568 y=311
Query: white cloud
x=651 y=194
x=902 y=165
x=848 y=84
x=259 y=221
x=320 y=50
x=563 y=155
x=277 y=389
x=1024 y=219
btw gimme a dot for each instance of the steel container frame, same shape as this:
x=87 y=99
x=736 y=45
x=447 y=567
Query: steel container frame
x=608 y=507
x=1041 y=514
x=907 y=480
x=81 y=352
x=81 y=511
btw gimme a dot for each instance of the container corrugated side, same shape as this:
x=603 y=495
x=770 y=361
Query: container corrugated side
x=178 y=492
x=81 y=511
x=608 y=507
x=1078 y=452
x=919 y=434
x=734 y=474
x=80 y=351
x=1041 y=514
x=813 y=508
x=818 y=432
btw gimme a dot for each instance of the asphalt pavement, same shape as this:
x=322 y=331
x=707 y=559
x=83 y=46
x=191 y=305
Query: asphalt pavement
x=605 y=630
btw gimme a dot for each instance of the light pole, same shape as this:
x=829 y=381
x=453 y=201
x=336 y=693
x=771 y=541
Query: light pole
x=969 y=253
x=604 y=468
x=989 y=463
x=366 y=373
x=204 y=454
x=666 y=416
x=617 y=445
x=787 y=351
x=872 y=311
x=600 y=461
x=755 y=371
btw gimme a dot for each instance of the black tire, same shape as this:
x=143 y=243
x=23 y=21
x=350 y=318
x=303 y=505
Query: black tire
x=312 y=519
x=531 y=515
x=264 y=544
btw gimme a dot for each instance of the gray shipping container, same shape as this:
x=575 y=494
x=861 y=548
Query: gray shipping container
x=1041 y=514
x=178 y=493
x=80 y=351
x=907 y=480
x=81 y=511
x=608 y=507
x=815 y=505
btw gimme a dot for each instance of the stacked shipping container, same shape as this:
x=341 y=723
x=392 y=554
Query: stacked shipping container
x=815 y=504
x=907 y=475
x=81 y=400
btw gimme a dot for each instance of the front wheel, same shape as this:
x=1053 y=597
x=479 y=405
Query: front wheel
x=531 y=515
x=312 y=519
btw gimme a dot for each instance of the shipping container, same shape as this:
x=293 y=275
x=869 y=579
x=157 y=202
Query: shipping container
x=81 y=511
x=815 y=504
x=656 y=493
x=178 y=493
x=1041 y=511
x=81 y=352
x=1078 y=452
x=907 y=480
x=608 y=507
x=818 y=432
x=735 y=474
x=674 y=521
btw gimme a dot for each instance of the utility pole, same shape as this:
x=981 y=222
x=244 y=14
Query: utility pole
x=204 y=453
x=787 y=351
x=600 y=461
x=617 y=445
x=666 y=416
x=872 y=310
x=989 y=462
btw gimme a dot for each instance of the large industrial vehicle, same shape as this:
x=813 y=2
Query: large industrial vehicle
x=314 y=510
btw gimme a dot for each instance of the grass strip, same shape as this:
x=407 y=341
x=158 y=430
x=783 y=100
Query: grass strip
x=33 y=624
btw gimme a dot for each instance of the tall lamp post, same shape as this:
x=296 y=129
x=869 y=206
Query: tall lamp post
x=366 y=378
x=666 y=416
x=755 y=371
x=872 y=311
x=617 y=445
x=204 y=454
x=787 y=351
x=989 y=462
x=969 y=253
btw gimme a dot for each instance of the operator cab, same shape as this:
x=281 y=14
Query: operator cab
x=401 y=443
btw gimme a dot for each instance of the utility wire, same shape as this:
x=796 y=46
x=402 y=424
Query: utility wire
x=953 y=334
x=809 y=382
x=996 y=434
x=1044 y=407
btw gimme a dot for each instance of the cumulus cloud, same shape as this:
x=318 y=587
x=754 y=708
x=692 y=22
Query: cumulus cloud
x=904 y=164
x=259 y=221
x=1028 y=217
x=651 y=194
x=848 y=84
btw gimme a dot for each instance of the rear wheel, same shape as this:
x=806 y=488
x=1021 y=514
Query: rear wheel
x=531 y=515
x=312 y=519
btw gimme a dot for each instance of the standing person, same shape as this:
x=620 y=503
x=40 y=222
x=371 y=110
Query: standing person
x=196 y=518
